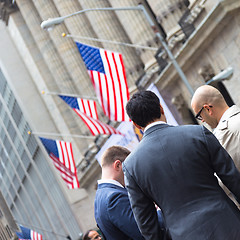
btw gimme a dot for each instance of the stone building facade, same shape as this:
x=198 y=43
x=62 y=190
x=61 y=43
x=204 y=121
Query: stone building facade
x=202 y=35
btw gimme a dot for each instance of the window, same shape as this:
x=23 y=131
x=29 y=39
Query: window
x=25 y=160
x=20 y=172
x=10 y=234
x=13 y=158
x=2 y=113
x=6 y=119
x=7 y=145
x=12 y=191
x=11 y=130
x=32 y=144
x=7 y=94
x=2 y=82
x=16 y=183
x=11 y=102
x=2 y=133
x=16 y=113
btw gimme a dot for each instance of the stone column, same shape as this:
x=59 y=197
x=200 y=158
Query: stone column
x=66 y=46
x=56 y=65
x=138 y=29
x=107 y=26
x=58 y=80
x=80 y=26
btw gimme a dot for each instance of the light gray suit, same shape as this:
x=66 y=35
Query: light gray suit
x=174 y=167
x=228 y=133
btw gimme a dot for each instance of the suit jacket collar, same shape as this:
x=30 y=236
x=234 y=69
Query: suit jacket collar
x=153 y=124
x=110 y=185
x=112 y=181
x=223 y=123
x=233 y=110
x=154 y=128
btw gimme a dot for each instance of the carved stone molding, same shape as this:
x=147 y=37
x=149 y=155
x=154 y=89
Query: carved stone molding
x=182 y=107
x=6 y=8
x=207 y=72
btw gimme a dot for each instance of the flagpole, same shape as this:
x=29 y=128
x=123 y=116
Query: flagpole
x=61 y=135
x=39 y=228
x=51 y=22
x=109 y=41
x=69 y=95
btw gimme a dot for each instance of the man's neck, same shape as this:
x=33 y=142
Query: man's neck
x=222 y=113
x=153 y=124
x=111 y=181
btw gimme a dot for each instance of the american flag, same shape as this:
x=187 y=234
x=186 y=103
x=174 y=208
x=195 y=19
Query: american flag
x=28 y=234
x=62 y=155
x=84 y=105
x=95 y=126
x=107 y=72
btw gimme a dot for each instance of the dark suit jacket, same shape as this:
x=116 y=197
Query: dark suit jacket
x=174 y=167
x=113 y=213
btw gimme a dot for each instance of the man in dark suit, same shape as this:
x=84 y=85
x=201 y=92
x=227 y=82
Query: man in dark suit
x=174 y=167
x=113 y=212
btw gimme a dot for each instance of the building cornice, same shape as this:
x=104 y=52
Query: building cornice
x=209 y=27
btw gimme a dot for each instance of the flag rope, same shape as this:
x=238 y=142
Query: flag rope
x=69 y=95
x=62 y=135
x=110 y=41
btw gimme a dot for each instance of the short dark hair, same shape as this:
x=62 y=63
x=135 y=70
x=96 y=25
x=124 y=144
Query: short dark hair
x=86 y=237
x=114 y=153
x=143 y=108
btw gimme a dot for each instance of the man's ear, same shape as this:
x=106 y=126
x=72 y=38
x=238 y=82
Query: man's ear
x=209 y=108
x=161 y=109
x=117 y=165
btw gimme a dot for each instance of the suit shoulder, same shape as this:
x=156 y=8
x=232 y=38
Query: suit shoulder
x=111 y=193
x=189 y=128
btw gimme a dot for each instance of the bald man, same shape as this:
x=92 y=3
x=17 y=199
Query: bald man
x=210 y=107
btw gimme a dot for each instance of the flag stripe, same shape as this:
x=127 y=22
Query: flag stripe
x=112 y=89
x=87 y=106
x=61 y=166
x=95 y=126
x=109 y=72
x=92 y=124
x=124 y=86
x=116 y=81
x=28 y=234
x=92 y=128
x=87 y=110
x=62 y=155
x=121 y=110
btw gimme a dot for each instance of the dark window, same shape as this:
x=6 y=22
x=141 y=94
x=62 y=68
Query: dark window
x=16 y=113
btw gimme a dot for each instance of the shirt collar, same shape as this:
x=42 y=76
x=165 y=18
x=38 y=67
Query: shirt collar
x=224 y=114
x=153 y=124
x=228 y=113
x=110 y=181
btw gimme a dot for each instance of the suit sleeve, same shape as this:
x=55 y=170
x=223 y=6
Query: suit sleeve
x=144 y=209
x=121 y=215
x=223 y=164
